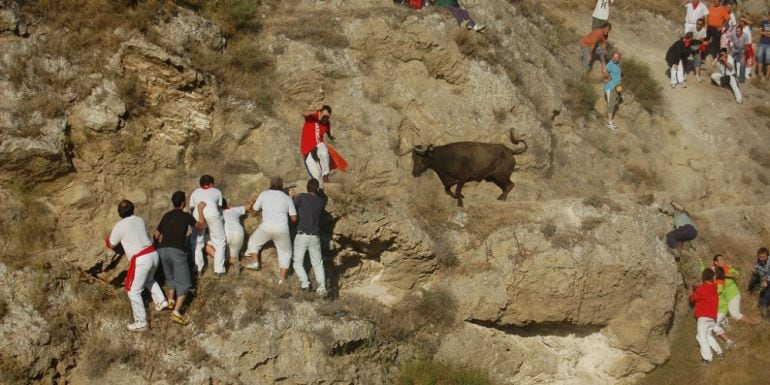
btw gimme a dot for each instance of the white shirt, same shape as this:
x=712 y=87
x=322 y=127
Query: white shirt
x=213 y=198
x=723 y=69
x=602 y=10
x=132 y=234
x=233 y=218
x=699 y=35
x=692 y=15
x=276 y=206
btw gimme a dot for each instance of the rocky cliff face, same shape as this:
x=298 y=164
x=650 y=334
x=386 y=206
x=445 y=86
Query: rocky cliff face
x=567 y=282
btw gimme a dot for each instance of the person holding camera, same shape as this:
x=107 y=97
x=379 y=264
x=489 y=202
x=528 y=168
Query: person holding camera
x=760 y=278
x=725 y=73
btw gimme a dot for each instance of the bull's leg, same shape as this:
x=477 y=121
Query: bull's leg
x=506 y=185
x=448 y=191
x=458 y=190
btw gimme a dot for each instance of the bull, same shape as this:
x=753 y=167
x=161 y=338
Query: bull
x=462 y=162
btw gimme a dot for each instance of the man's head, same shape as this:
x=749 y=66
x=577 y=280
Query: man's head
x=325 y=111
x=276 y=183
x=177 y=199
x=708 y=275
x=738 y=31
x=313 y=185
x=762 y=254
x=125 y=208
x=715 y=3
x=699 y=25
x=719 y=260
x=606 y=29
x=688 y=36
x=616 y=57
x=206 y=180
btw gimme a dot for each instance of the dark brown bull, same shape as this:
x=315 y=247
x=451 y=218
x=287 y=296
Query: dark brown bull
x=462 y=162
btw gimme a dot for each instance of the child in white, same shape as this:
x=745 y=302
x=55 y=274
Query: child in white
x=277 y=207
x=213 y=198
x=234 y=230
x=131 y=233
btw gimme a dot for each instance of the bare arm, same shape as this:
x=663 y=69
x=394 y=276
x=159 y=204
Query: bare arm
x=307 y=113
x=156 y=236
x=678 y=207
x=201 y=219
x=293 y=218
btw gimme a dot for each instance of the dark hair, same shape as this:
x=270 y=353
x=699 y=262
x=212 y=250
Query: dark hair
x=125 y=208
x=177 y=199
x=716 y=256
x=327 y=108
x=720 y=272
x=723 y=50
x=708 y=275
x=313 y=185
x=688 y=35
x=763 y=250
x=276 y=183
x=224 y=202
x=607 y=25
x=206 y=180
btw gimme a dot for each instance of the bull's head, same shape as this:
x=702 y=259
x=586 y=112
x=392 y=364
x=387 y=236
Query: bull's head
x=420 y=159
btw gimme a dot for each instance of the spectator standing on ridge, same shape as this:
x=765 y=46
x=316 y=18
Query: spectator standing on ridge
x=676 y=58
x=171 y=236
x=698 y=47
x=595 y=44
x=760 y=278
x=725 y=74
x=234 y=231
x=213 y=198
x=763 y=51
x=739 y=44
x=310 y=206
x=706 y=301
x=694 y=11
x=277 y=209
x=131 y=233
x=601 y=15
x=462 y=16
x=717 y=17
x=732 y=293
x=684 y=227
x=722 y=308
x=612 y=88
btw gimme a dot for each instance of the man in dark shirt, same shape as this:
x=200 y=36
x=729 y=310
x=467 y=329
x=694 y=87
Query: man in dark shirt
x=309 y=206
x=172 y=234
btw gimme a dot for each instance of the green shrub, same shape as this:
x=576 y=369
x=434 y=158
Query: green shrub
x=439 y=373
x=581 y=97
x=637 y=79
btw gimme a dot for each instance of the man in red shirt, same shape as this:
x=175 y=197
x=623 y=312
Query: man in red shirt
x=595 y=43
x=717 y=17
x=314 y=152
x=706 y=302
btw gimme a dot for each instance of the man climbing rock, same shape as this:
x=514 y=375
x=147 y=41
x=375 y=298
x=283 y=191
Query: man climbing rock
x=595 y=44
x=131 y=233
x=213 y=198
x=310 y=206
x=684 y=227
x=313 y=149
x=171 y=236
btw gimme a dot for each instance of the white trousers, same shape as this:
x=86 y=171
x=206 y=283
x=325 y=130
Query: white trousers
x=318 y=169
x=720 y=323
x=311 y=244
x=234 y=241
x=706 y=339
x=144 y=278
x=677 y=74
x=218 y=239
x=716 y=78
x=198 y=240
x=280 y=238
x=734 y=307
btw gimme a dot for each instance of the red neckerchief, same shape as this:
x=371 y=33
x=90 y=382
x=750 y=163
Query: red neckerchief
x=206 y=187
x=695 y=4
x=686 y=43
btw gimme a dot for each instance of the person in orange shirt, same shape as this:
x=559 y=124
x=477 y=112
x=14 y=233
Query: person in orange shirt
x=595 y=43
x=717 y=17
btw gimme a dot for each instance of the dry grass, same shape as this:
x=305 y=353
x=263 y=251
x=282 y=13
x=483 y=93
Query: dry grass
x=103 y=352
x=316 y=29
x=581 y=97
x=637 y=79
x=439 y=373
x=760 y=156
x=3 y=308
x=639 y=176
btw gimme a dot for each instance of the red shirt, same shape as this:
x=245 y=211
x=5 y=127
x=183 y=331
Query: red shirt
x=311 y=138
x=593 y=38
x=706 y=300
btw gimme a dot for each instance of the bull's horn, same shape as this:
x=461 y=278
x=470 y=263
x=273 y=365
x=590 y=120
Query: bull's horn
x=420 y=149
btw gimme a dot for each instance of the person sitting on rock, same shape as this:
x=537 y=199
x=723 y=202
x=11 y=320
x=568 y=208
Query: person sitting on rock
x=131 y=233
x=706 y=301
x=684 y=227
x=171 y=236
x=719 y=326
x=760 y=278
x=234 y=231
x=277 y=208
x=595 y=44
x=732 y=293
x=461 y=15
x=676 y=58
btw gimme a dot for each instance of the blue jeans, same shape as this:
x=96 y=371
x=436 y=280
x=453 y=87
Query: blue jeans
x=740 y=60
x=763 y=54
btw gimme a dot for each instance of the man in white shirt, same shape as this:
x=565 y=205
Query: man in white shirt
x=694 y=11
x=234 y=230
x=213 y=198
x=726 y=71
x=131 y=233
x=601 y=15
x=277 y=208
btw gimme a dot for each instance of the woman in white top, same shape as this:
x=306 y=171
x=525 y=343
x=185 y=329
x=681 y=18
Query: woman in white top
x=234 y=230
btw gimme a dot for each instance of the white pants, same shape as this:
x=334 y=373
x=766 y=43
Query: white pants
x=706 y=340
x=198 y=240
x=218 y=239
x=720 y=323
x=716 y=77
x=311 y=244
x=677 y=74
x=144 y=278
x=318 y=169
x=734 y=307
x=280 y=238
x=234 y=241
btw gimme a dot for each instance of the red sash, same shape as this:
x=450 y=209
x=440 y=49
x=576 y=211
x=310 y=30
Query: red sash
x=336 y=160
x=132 y=267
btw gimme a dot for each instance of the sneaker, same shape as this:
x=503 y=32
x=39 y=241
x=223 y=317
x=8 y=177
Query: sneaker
x=253 y=266
x=612 y=126
x=739 y=101
x=731 y=344
x=137 y=327
x=478 y=27
x=705 y=361
x=162 y=306
x=305 y=288
x=171 y=304
x=180 y=319
x=673 y=86
x=721 y=356
x=322 y=293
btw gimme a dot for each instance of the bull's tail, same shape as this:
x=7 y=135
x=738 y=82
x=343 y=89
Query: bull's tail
x=516 y=142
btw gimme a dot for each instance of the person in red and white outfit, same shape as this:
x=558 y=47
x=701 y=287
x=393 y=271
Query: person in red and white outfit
x=314 y=151
x=131 y=233
x=694 y=11
x=212 y=196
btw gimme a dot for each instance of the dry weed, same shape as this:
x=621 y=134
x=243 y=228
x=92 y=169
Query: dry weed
x=3 y=308
x=102 y=352
x=581 y=97
x=639 y=176
x=637 y=79
x=432 y=372
x=760 y=156
x=315 y=29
